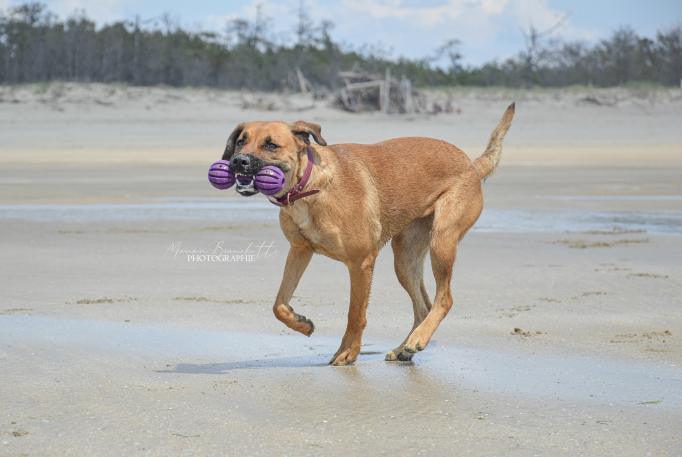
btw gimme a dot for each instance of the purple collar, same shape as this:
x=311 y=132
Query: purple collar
x=296 y=192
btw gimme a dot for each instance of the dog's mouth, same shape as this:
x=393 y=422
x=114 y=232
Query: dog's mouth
x=245 y=185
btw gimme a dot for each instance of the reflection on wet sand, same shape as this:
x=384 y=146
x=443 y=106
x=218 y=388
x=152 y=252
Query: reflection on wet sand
x=230 y=211
x=499 y=372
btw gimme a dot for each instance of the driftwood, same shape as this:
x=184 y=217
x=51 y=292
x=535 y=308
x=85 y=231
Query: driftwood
x=364 y=92
x=303 y=84
x=368 y=92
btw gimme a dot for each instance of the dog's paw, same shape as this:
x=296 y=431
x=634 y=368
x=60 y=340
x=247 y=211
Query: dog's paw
x=397 y=355
x=404 y=356
x=294 y=321
x=344 y=356
x=305 y=325
x=408 y=351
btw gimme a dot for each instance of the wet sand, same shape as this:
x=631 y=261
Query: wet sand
x=564 y=338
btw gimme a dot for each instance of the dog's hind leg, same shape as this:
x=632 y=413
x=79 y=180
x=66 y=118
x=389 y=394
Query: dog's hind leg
x=409 y=250
x=455 y=212
x=297 y=261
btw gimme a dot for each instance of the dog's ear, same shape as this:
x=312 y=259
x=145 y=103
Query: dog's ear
x=229 y=148
x=303 y=130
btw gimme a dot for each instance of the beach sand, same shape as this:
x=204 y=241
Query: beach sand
x=565 y=338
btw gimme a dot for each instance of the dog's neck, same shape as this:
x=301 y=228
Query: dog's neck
x=298 y=190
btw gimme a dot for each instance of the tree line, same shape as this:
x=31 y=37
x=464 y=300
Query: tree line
x=36 y=46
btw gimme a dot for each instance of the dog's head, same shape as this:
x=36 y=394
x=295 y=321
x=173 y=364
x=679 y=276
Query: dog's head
x=253 y=145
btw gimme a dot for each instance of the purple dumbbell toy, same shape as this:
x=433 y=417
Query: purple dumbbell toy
x=269 y=180
x=220 y=176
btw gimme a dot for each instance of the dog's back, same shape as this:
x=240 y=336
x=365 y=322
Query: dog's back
x=409 y=174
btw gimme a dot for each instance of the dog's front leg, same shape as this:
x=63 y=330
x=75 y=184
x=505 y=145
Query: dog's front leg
x=297 y=261
x=360 y=284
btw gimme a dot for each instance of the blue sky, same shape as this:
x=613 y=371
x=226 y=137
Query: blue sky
x=488 y=29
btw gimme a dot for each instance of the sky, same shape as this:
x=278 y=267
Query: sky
x=487 y=29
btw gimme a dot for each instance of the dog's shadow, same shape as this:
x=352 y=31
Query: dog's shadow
x=312 y=361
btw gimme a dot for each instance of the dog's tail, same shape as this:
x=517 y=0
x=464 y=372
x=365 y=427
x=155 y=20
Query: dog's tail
x=486 y=163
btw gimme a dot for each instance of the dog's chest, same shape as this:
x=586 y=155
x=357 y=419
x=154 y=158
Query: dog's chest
x=303 y=219
x=316 y=229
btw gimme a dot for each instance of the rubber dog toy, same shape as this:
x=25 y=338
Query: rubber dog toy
x=269 y=180
x=220 y=176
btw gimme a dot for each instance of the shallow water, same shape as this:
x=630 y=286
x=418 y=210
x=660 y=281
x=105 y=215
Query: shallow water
x=572 y=220
x=616 y=198
x=550 y=376
x=259 y=210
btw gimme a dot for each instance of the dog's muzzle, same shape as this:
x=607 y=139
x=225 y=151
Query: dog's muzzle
x=245 y=167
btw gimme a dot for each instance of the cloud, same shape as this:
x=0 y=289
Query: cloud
x=427 y=15
x=493 y=6
x=413 y=25
x=487 y=28
x=398 y=9
x=100 y=10
x=461 y=12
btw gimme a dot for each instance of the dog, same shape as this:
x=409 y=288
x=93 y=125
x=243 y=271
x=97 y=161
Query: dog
x=346 y=201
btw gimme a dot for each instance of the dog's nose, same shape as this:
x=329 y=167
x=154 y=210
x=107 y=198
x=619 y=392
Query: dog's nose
x=240 y=162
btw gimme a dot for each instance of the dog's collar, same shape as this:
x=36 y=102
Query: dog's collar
x=296 y=192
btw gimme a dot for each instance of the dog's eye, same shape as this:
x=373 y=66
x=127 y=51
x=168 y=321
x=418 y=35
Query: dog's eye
x=270 y=146
x=240 y=142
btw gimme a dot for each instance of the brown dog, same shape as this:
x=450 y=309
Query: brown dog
x=368 y=195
